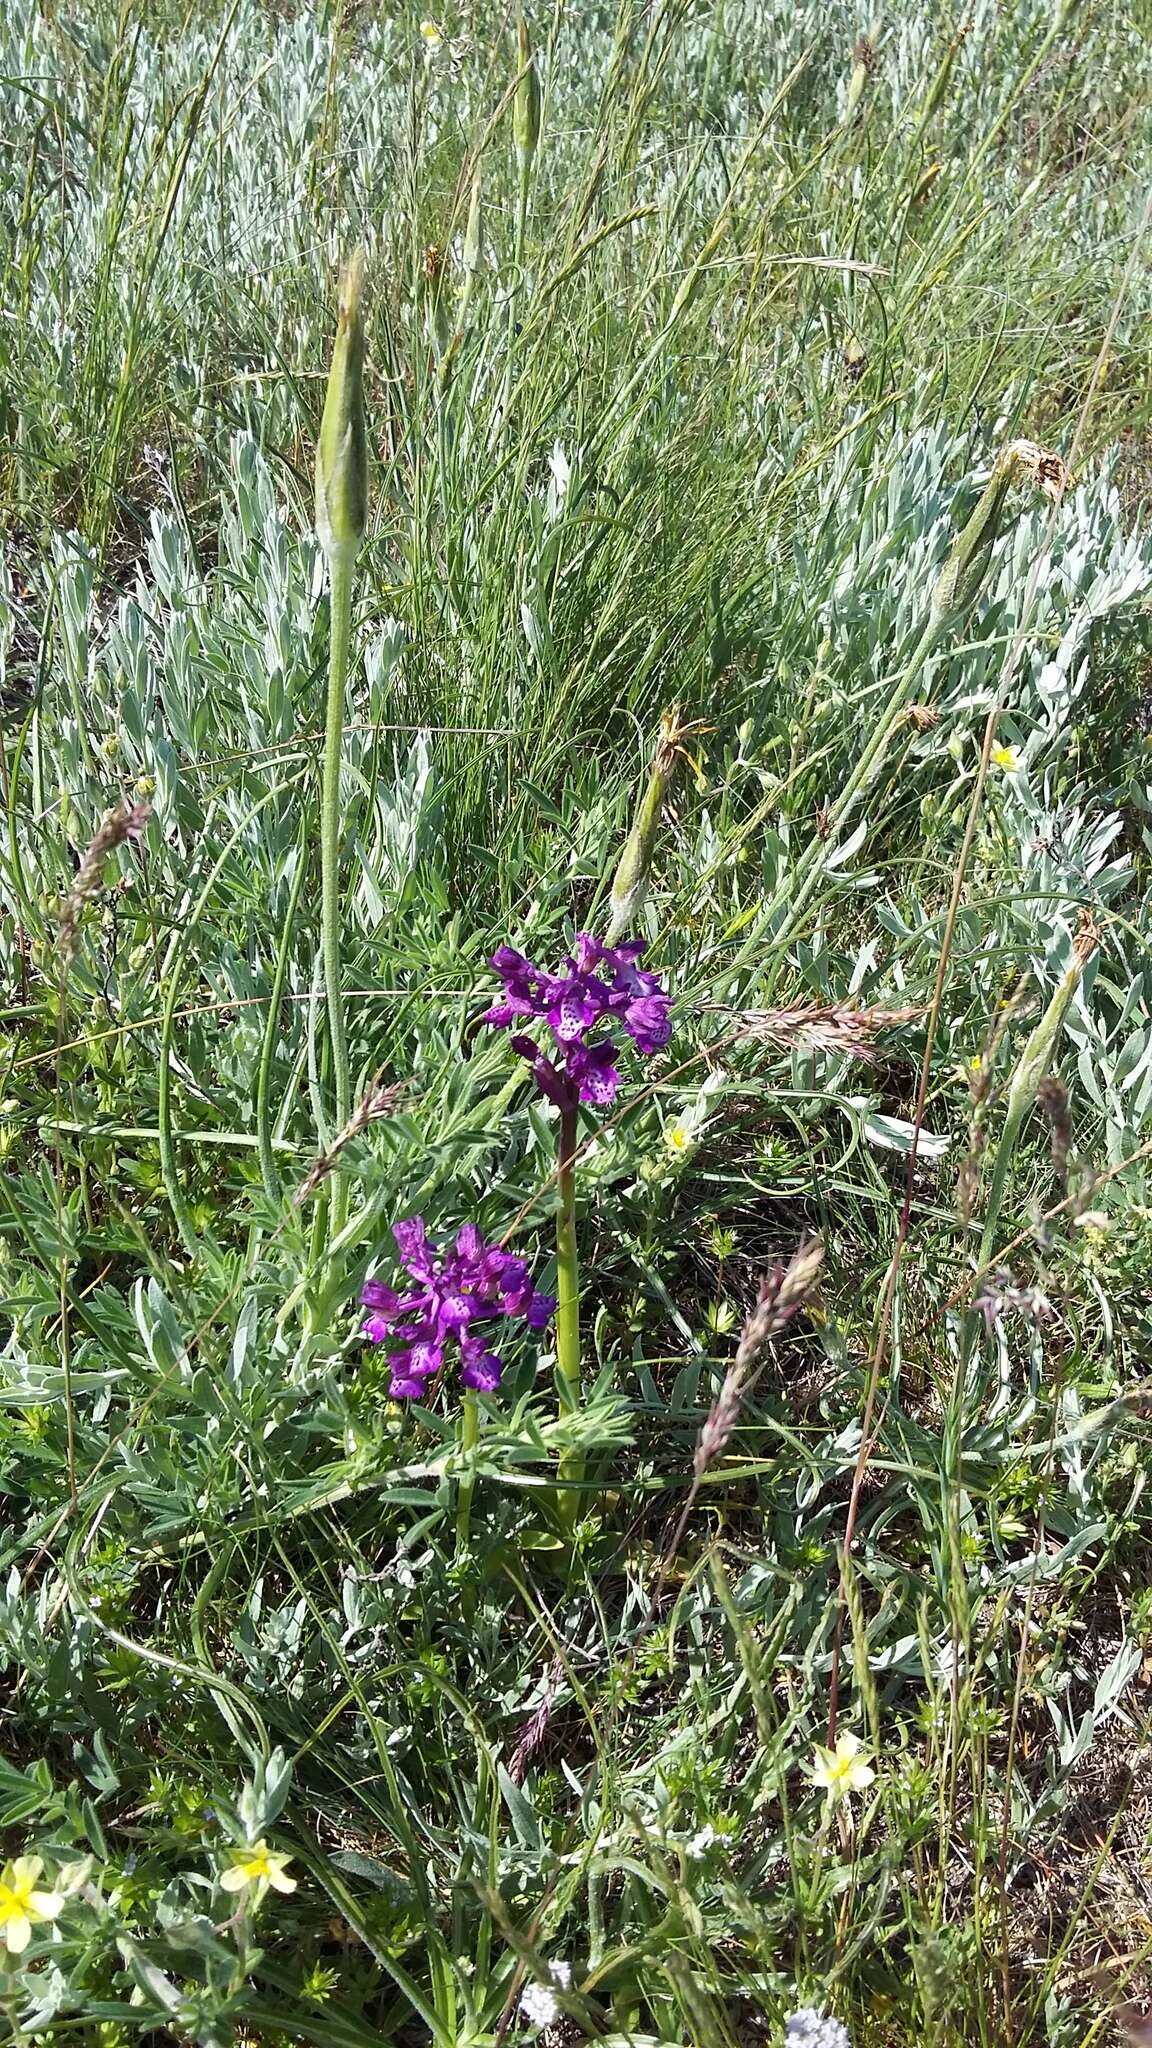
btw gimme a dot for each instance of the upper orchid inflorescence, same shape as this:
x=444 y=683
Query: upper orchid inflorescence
x=599 y=988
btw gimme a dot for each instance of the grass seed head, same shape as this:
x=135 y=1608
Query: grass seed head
x=124 y=821
x=342 y=450
x=818 y=1027
x=783 y=1294
x=381 y=1100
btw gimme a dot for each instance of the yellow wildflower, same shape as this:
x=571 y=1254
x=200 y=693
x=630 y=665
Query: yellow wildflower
x=22 y=1905
x=432 y=33
x=843 y=1770
x=257 y=1864
x=1007 y=759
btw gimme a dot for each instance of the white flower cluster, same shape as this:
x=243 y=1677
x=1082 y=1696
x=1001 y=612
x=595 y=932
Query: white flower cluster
x=539 y=2006
x=704 y=1839
x=811 y=2029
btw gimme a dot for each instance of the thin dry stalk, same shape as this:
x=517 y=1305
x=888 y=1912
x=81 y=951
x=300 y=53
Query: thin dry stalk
x=782 y=1295
x=382 y=1099
x=124 y=821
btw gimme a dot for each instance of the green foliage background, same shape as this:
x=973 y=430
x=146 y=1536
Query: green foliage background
x=698 y=425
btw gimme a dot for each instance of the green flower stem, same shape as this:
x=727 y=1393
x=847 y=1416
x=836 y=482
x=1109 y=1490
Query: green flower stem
x=469 y=1438
x=567 y=1269
x=340 y=581
x=273 y=1027
x=568 y=1308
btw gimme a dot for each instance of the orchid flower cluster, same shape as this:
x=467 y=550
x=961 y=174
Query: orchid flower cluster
x=455 y=1290
x=460 y=1292
x=575 y=1004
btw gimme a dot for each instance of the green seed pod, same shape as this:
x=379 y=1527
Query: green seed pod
x=526 y=105
x=342 y=450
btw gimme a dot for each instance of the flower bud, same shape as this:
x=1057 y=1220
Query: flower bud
x=526 y=105
x=960 y=580
x=633 y=872
x=342 y=450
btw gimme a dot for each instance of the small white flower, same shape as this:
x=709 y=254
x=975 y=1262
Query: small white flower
x=843 y=1770
x=561 y=469
x=539 y=2006
x=704 y=1839
x=809 y=2028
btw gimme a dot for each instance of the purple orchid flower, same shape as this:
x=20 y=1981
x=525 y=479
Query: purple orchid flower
x=472 y=1283
x=600 y=985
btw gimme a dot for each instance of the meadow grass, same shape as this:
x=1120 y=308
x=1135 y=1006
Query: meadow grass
x=801 y=1662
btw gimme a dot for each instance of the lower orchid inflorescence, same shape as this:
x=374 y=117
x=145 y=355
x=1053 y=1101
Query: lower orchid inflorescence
x=455 y=1290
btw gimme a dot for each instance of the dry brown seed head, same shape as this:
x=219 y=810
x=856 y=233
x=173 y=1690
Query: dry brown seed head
x=1087 y=939
x=818 y=1027
x=124 y=821
x=380 y=1100
x=783 y=1294
x=536 y=1728
x=1041 y=466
